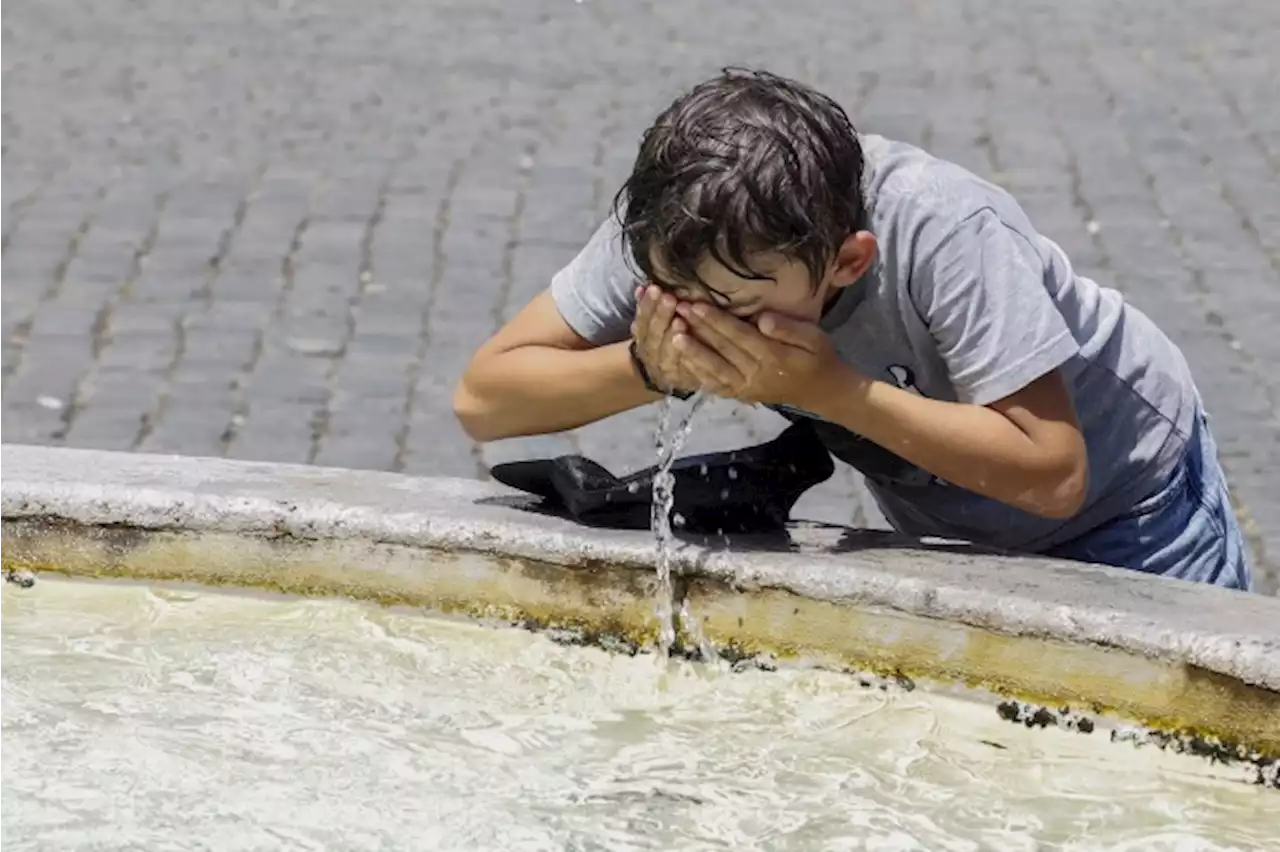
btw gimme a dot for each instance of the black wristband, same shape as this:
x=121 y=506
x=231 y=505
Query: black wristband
x=648 y=382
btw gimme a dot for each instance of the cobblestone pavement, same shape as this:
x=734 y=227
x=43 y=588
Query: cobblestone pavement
x=277 y=230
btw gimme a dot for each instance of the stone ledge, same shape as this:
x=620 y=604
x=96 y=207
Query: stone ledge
x=857 y=596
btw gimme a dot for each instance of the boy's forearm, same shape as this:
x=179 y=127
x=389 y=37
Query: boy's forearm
x=533 y=390
x=971 y=446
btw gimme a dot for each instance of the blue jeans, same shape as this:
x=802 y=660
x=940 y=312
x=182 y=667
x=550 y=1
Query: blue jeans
x=1186 y=529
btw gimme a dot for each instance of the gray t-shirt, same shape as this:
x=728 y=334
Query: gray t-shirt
x=966 y=302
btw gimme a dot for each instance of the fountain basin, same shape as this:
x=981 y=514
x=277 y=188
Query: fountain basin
x=1199 y=664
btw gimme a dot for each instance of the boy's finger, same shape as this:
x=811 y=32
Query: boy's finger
x=804 y=335
x=649 y=329
x=640 y=321
x=713 y=336
x=677 y=326
x=644 y=309
x=663 y=312
x=660 y=308
x=705 y=363
x=709 y=320
x=668 y=355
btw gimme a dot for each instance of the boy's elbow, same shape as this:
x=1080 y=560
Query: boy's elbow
x=474 y=416
x=1066 y=489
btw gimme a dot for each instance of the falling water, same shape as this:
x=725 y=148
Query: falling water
x=670 y=437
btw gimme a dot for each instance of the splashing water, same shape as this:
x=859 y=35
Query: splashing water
x=669 y=438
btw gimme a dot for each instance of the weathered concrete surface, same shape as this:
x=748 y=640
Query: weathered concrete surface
x=276 y=231
x=1161 y=651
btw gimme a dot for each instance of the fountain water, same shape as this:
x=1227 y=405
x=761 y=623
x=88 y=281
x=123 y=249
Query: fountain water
x=180 y=718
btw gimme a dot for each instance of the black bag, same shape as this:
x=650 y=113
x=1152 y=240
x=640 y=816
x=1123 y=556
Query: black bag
x=881 y=466
x=751 y=490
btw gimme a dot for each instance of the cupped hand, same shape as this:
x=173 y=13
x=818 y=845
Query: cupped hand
x=777 y=360
x=655 y=329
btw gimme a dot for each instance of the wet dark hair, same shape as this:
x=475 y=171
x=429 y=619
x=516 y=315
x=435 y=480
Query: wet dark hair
x=745 y=162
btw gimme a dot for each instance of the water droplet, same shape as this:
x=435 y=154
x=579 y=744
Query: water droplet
x=733 y=473
x=633 y=487
x=724 y=493
x=703 y=470
x=677 y=520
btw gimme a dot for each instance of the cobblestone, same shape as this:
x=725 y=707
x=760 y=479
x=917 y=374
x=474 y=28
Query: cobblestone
x=277 y=231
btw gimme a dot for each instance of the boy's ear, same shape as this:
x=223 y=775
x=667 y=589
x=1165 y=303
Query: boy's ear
x=853 y=258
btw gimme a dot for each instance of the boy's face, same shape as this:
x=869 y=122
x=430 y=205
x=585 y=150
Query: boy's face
x=788 y=288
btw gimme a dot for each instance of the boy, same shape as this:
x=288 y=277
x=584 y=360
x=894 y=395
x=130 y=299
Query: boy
x=899 y=301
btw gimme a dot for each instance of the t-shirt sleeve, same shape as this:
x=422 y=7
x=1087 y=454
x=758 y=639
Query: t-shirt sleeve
x=982 y=293
x=595 y=293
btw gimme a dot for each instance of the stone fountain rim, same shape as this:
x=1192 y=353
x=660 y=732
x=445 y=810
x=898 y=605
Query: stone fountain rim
x=1230 y=633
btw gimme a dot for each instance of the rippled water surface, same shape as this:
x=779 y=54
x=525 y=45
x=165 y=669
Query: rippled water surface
x=161 y=719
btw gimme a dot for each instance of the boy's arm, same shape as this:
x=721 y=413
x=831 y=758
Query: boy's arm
x=563 y=361
x=1013 y=435
x=1024 y=450
x=537 y=375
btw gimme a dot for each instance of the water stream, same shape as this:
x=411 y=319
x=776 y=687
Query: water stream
x=172 y=719
x=669 y=439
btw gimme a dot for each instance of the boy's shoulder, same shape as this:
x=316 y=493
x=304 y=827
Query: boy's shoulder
x=916 y=198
